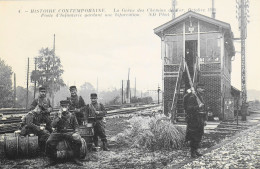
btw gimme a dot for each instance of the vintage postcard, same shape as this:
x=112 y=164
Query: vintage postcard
x=133 y=53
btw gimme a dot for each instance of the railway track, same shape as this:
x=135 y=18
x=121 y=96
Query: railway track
x=12 y=123
x=129 y=110
x=21 y=111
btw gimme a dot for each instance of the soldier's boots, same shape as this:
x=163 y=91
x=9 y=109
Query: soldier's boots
x=77 y=162
x=197 y=153
x=105 y=146
x=96 y=145
x=193 y=154
x=77 y=157
x=52 y=162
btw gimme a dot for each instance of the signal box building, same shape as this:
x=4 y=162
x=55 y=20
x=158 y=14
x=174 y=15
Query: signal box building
x=206 y=44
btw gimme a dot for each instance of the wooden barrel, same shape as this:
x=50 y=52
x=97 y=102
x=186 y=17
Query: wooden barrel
x=64 y=151
x=20 y=146
x=83 y=149
x=87 y=132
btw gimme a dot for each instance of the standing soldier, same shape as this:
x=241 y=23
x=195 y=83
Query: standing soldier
x=194 y=107
x=66 y=127
x=98 y=111
x=77 y=104
x=35 y=120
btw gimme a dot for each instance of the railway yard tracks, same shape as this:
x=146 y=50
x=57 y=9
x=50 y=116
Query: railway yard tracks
x=10 y=119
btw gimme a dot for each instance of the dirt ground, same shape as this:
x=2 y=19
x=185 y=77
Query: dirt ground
x=121 y=156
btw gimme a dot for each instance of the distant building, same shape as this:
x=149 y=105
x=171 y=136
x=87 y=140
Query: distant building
x=236 y=94
x=207 y=46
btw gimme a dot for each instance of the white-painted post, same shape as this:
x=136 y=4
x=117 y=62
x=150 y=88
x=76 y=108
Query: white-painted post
x=163 y=55
x=199 y=44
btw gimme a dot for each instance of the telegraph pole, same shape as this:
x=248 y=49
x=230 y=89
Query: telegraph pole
x=173 y=8
x=213 y=14
x=52 y=94
x=158 y=90
x=128 y=88
x=35 y=66
x=242 y=11
x=135 y=87
x=122 y=91
x=243 y=63
x=27 y=85
x=14 y=90
x=97 y=85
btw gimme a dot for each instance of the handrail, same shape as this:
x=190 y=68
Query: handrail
x=177 y=85
x=196 y=71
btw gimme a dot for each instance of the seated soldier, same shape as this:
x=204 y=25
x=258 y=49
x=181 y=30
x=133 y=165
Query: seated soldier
x=44 y=108
x=31 y=125
x=66 y=127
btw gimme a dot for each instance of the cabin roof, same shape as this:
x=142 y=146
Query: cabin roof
x=172 y=22
x=228 y=33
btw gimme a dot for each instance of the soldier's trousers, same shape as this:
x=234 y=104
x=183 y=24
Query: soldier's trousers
x=194 y=145
x=80 y=117
x=99 y=131
x=55 y=138
x=45 y=118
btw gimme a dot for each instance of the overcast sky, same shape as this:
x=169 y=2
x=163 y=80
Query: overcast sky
x=105 y=47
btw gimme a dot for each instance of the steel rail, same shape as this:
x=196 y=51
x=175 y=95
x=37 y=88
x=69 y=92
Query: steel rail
x=10 y=125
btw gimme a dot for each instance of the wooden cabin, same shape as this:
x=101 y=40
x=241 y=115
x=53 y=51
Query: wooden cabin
x=207 y=46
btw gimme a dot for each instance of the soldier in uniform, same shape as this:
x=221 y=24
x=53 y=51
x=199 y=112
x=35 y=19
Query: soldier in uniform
x=43 y=105
x=196 y=117
x=31 y=125
x=66 y=127
x=77 y=104
x=97 y=110
x=33 y=122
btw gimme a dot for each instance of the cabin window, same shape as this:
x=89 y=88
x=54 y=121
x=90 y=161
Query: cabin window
x=210 y=48
x=171 y=53
x=213 y=50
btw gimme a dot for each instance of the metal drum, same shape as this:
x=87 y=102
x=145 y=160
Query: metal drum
x=87 y=132
x=20 y=146
x=64 y=151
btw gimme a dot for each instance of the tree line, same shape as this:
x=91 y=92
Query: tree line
x=48 y=72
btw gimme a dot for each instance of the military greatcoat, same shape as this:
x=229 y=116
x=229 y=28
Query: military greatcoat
x=44 y=115
x=99 y=124
x=77 y=102
x=66 y=128
x=195 y=118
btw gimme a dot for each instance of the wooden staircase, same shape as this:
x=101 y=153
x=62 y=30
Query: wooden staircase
x=180 y=112
x=177 y=109
x=176 y=101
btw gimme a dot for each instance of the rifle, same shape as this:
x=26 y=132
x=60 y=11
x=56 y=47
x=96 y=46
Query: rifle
x=191 y=84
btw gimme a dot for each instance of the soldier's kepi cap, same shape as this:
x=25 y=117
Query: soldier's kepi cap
x=73 y=88
x=64 y=102
x=42 y=88
x=93 y=95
